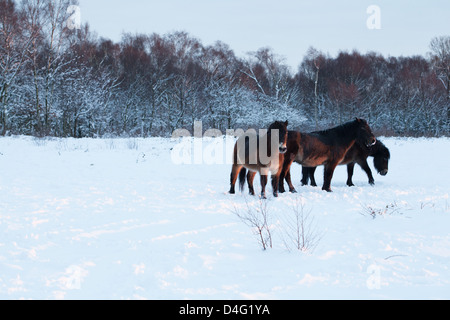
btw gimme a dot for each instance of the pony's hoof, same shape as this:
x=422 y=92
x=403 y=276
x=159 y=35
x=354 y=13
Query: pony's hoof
x=327 y=189
x=293 y=191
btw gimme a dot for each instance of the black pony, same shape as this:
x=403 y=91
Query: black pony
x=326 y=147
x=357 y=154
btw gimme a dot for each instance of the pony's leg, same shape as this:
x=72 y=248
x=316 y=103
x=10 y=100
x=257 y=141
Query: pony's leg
x=284 y=172
x=233 y=177
x=289 y=181
x=276 y=178
x=365 y=166
x=281 y=177
x=263 y=185
x=312 y=171
x=250 y=177
x=328 y=175
x=305 y=176
x=281 y=186
x=275 y=184
x=350 y=169
x=286 y=175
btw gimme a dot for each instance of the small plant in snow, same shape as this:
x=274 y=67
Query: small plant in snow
x=132 y=144
x=374 y=212
x=257 y=219
x=110 y=144
x=298 y=226
x=300 y=231
x=141 y=157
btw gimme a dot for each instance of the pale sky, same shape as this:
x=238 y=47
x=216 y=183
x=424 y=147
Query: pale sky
x=289 y=27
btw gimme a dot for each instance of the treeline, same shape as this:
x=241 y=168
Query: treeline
x=61 y=81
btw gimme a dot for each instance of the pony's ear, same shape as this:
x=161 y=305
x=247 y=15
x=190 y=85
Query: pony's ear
x=358 y=119
x=286 y=123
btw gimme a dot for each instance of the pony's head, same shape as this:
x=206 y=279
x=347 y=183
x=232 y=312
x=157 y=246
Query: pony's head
x=282 y=134
x=381 y=158
x=365 y=136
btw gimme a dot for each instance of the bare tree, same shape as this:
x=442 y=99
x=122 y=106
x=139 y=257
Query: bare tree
x=317 y=60
x=440 y=59
x=14 y=43
x=47 y=21
x=269 y=73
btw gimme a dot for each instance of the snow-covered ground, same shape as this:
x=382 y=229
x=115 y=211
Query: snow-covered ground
x=118 y=219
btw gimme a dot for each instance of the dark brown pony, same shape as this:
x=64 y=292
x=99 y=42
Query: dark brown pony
x=357 y=154
x=327 y=148
x=260 y=153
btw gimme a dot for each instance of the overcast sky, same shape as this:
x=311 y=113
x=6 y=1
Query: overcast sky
x=289 y=27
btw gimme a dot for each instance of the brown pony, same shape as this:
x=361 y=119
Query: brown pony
x=260 y=153
x=327 y=148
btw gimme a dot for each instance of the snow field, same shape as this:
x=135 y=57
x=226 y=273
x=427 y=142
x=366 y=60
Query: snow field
x=117 y=219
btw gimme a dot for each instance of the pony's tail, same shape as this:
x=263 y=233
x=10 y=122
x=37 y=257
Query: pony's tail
x=242 y=175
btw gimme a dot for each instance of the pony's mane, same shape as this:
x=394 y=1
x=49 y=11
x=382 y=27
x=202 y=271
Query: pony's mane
x=277 y=125
x=343 y=128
